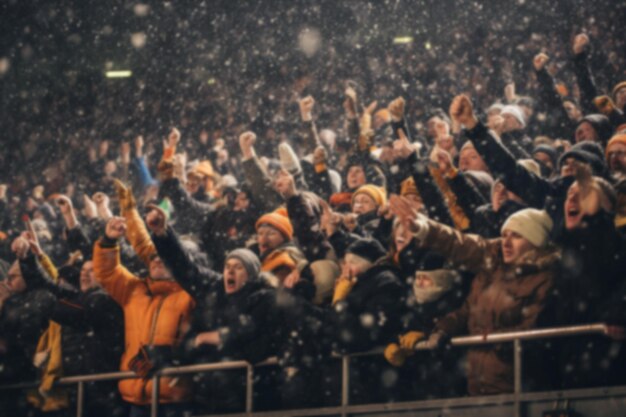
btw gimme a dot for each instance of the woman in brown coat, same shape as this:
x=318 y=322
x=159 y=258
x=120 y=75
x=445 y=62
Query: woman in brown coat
x=514 y=274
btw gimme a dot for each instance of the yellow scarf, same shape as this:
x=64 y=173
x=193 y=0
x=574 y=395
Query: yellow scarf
x=49 y=360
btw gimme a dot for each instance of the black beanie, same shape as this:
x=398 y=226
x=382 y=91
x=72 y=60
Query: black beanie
x=548 y=150
x=601 y=125
x=369 y=249
x=588 y=152
x=71 y=275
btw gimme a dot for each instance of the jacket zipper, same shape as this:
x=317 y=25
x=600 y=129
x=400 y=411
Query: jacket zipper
x=152 y=332
x=155 y=319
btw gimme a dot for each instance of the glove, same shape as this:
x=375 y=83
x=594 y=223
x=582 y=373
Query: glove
x=410 y=339
x=342 y=289
x=396 y=355
x=125 y=196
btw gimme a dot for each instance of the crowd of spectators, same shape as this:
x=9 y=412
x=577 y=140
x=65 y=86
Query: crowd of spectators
x=299 y=203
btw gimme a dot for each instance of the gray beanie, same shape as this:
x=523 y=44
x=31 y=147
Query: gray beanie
x=249 y=260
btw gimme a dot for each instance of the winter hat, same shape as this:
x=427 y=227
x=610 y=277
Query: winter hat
x=249 y=260
x=515 y=111
x=481 y=180
x=619 y=138
x=600 y=124
x=228 y=181
x=203 y=169
x=532 y=224
x=495 y=107
x=288 y=159
x=378 y=194
x=588 y=152
x=467 y=145
x=618 y=87
x=548 y=150
x=71 y=274
x=279 y=220
x=165 y=207
x=531 y=165
x=369 y=249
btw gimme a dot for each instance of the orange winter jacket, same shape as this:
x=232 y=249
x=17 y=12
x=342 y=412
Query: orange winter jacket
x=155 y=313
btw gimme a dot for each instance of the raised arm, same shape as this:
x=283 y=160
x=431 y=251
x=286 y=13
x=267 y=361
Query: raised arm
x=467 y=252
x=107 y=268
x=586 y=83
x=197 y=280
x=531 y=188
x=136 y=231
x=256 y=175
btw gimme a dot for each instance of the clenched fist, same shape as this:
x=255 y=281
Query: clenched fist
x=462 y=111
x=539 y=61
x=306 y=107
x=396 y=108
x=580 y=43
x=246 y=144
x=115 y=228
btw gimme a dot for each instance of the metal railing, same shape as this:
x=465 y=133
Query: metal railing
x=515 y=398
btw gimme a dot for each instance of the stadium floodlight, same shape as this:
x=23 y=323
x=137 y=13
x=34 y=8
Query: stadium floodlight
x=402 y=40
x=119 y=74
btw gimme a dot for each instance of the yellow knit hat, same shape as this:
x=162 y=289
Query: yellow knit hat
x=378 y=194
x=279 y=221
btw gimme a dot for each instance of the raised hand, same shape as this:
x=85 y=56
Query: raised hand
x=410 y=218
x=540 y=60
x=156 y=220
x=30 y=236
x=580 y=43
x=102 y=205
x=444 y=160
x=125 y=196
x=125 y=153
x=396 y=108
x=462 y=111
x=285 y=184
x=20 y=247
x=402 y=148
x=115 y=228
x=90 y=209
x=173 y=138
x=139 y=146
x=246 y=144
x=306 y=108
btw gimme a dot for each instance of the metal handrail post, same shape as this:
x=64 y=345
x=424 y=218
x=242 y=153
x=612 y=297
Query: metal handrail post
x=80 y=397
x=154 y=401
x=517 y=364
x=249 y=388
x=345 y=384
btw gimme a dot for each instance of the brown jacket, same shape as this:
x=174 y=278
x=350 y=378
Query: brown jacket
x=503 y=298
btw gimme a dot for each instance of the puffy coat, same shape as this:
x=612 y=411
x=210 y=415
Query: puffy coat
x=155 y=313
x=503 y=297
